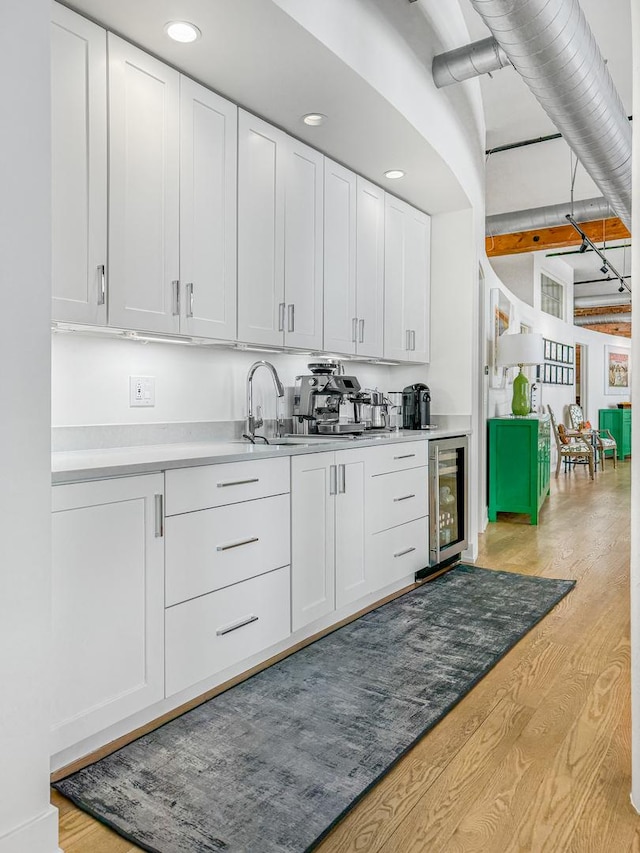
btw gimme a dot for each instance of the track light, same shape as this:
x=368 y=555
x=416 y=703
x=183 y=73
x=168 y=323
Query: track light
x=583 y=246
x=604 y=269
x=621 y=289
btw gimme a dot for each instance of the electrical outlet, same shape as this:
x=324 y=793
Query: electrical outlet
x=142 y=390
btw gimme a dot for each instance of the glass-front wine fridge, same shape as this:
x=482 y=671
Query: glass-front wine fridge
x=448 y=501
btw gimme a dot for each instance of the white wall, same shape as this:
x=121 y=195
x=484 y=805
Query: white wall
x=635 y=480
x=516 y=272
x=27 y=821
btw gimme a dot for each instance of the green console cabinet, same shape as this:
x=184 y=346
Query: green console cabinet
x=519 y=464
x=618 y=422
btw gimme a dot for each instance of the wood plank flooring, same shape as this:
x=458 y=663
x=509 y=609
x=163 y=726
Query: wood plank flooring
x=537 y=757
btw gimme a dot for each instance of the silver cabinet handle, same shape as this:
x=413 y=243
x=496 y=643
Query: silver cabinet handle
x=159 y=516
x=332 y=480
x=102 y=292
x=291 y=322
x=413 y=339
x=407 y=345
x=342 y=480
x=226 y=629
x=402 y=553
x=281 y=309
x=361 y=334
x=238 y=544
x=405 y=456
x=354 y=330
x=189 y=288
x=403 y=498
x=176 y=296
x=238 y=482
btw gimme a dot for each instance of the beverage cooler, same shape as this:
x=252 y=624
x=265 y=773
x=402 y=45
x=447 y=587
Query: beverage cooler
x=448 y=502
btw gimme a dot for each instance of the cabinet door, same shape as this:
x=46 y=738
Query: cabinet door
x=261 y=304
x=143 y=190
x=312 y=537
x=354 y=577
x=303 y=226
x=417 y=282
x=79 y=168
x=108 y=604
x=397 y=340
x=340 y=318
x=208 y=158
x=406 y=283
x=370 y=269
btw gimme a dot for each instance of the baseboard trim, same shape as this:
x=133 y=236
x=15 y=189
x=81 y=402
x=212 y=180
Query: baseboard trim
x=39 y=835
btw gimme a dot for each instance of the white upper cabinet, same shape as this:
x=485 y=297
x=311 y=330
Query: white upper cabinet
x=280 y=203
x=340 y=318
x=208 y=166
x=370 y=269
x=353 y=263
x=79 y=168
x=406 y=282
x=144 y=97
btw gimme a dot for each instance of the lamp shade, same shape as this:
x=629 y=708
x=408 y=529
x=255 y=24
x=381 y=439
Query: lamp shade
x=520 y=349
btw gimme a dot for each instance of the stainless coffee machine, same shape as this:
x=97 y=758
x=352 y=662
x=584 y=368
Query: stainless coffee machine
x=318 y=397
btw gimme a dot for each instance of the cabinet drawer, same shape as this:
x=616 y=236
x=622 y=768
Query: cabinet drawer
x=214 y=548
x=210 y=633
x=397 y=457
x=400 y=551
x=396 y=498
x=189 y=489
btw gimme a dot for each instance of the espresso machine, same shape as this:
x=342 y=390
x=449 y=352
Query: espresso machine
x=318 y=397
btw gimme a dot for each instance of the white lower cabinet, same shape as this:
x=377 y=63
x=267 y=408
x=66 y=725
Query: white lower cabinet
x=399 y=551
x=228 y=550
x=328 y=566
x=107 y=617
x=215 y=631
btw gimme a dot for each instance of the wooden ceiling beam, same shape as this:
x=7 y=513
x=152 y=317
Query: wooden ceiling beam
x=623 y=330
x=602 y=309
x=556 y=237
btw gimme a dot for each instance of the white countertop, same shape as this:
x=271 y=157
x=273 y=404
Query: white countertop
x=75 y=465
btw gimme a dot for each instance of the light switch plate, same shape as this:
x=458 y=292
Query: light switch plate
x=142 y=391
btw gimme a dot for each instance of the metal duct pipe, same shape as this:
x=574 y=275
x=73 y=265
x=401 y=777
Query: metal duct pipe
x=546 y=217
x=463 y=63
x=550 y=44
x=600 y=301
x=599 y=319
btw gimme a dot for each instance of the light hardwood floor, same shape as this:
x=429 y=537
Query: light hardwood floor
x=537 y=757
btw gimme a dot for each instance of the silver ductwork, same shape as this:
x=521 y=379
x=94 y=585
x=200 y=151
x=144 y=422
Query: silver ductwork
x=550 y=44
x=599 y=319
x=463 y=63
x=601 y=301
x=546 y=217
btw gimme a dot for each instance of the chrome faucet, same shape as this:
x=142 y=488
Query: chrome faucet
x=254 y=422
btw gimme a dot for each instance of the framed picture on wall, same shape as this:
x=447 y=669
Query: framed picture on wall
x=547 y=350
x=617 y=371
x=553 y=375
x=565 y=375
x=570 y=355
x=500 y=320
x=554 y=351
x=571 y=376
x=565 y=353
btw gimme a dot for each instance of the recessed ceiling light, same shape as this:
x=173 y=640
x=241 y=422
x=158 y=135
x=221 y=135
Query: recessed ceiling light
x=394 y=173
x=314 y=119
x=182 y=31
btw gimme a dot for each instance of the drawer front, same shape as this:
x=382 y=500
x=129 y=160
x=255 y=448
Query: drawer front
x=399 y=552
x=189 y=489
x=207 y=634
x=214 y=548
x=397 y=498
x=397 y=457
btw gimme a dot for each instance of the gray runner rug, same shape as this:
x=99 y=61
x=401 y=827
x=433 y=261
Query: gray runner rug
x=272 y=764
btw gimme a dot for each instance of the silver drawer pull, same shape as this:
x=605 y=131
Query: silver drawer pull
x=239 y=482
x=402 y=553
x=403 y=498
x=238 y=544
x=226 y=629
x=405 y=456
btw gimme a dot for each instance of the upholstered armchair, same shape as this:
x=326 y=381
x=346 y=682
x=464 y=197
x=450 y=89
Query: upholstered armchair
x=604 y=440
x=572 y=445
